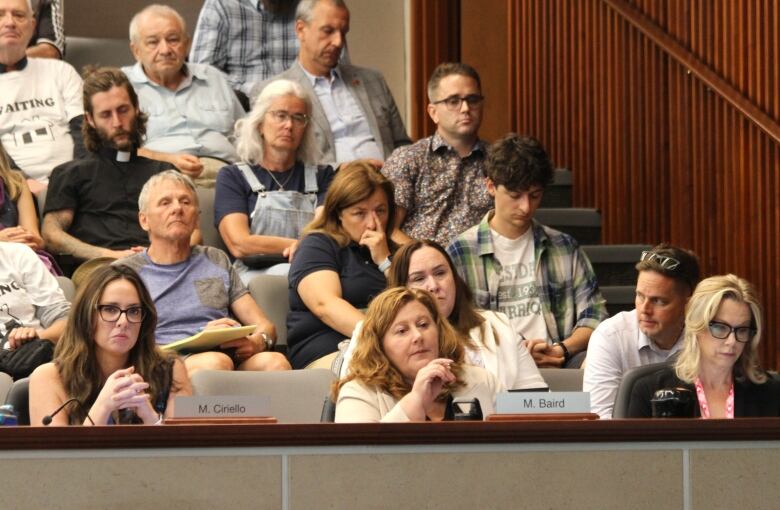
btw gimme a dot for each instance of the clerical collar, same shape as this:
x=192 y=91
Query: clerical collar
x=6 y=68
x=115 y=155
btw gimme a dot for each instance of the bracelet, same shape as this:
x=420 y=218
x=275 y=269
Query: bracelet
x=566 y=355
x=384 y=265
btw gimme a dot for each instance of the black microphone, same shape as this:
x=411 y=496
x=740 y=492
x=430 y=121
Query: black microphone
x=673 y=403
x=49 y=417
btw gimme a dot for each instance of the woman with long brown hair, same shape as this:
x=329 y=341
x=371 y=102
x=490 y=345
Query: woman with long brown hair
x=107 y=360
x=340 y=264
x=18 y=219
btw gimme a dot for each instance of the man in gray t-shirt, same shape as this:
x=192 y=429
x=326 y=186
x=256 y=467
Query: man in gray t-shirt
x=195 y=287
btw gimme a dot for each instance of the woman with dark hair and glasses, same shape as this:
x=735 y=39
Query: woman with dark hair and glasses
x=718 y=363
x=107 y=360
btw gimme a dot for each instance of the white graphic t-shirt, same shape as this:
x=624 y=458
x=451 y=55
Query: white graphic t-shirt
x=518 y=296
x=36 y=105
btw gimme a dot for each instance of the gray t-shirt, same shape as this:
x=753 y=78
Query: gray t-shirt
x=188 y=294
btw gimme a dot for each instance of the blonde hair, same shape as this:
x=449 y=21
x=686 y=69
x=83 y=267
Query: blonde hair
x=371 y=366
x=13 y=180
x=702 y=308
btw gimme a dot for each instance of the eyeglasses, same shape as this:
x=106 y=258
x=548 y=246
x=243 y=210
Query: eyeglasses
x=111 y=313
x=743 y=334
x=665 y=262
x=453 y=103
x=280 y=116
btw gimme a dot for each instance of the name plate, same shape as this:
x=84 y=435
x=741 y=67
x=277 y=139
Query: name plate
x=221 y=407
x=542 y=402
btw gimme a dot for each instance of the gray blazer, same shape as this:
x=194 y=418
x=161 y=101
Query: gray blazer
x=373 y=95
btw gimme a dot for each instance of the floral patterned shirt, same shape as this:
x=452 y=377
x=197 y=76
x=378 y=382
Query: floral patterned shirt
x=443 y=194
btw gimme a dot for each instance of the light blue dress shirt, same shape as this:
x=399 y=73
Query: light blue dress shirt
x=351 y=132
x=197 y=118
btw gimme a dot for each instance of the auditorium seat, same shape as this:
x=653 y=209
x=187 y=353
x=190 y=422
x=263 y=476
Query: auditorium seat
x=614 y=264
x=620 y=298
x=584 y=225
x=83 y=51
x=209 y=232
x=558 y=193
x=623 y=397
x=270 y=292
x=18 y=397
x=563 y=379
x=294 y=396
x=6 y=381
x=66 y=284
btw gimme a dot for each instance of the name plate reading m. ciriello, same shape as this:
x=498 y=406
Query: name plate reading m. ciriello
x=543 y=402
x=221 y=407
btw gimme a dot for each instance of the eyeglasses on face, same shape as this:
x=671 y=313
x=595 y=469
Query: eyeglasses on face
x=721 y=331
x=453 y=103
x=281 y=116
x=669 y=263
x=111 y=313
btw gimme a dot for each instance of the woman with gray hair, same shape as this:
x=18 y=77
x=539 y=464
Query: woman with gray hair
x=718 y=367
x=263 y=202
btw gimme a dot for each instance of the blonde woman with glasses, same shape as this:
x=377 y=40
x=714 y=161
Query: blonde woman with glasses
x=719 y=363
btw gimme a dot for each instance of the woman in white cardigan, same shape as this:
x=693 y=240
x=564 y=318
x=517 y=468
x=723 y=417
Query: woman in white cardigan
x=408 y=365
x=491 y=342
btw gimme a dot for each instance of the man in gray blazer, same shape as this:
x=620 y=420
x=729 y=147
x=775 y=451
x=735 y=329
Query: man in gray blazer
x=354 y=115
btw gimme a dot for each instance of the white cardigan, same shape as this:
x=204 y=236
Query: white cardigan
x=359 y=403
x=509 y=361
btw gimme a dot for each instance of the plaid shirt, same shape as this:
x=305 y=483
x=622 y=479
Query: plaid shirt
x=245 y=41
x=566 y=283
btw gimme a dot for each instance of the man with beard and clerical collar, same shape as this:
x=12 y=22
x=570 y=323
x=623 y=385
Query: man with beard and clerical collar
x=92 y=203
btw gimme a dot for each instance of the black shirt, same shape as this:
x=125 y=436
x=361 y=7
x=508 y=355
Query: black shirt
x=308 y=337
x=103 y=194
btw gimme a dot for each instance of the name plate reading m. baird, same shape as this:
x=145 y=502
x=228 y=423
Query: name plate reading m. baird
x=221 y=407
x=542 y=402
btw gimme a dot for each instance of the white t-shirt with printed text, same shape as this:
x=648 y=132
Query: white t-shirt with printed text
x=36 y=105
x=518 y=295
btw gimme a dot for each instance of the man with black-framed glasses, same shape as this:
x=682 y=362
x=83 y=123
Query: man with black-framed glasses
x=651 y=333
x=440 y=180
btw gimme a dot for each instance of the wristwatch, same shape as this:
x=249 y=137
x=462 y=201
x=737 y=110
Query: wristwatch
x=566 y=355
x=268 y=341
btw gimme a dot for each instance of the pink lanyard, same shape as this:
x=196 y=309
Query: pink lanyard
x=705 y=409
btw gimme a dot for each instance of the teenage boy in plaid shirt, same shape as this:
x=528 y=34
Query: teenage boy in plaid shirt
x=537 y=276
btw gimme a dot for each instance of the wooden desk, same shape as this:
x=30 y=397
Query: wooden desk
x=586 y=464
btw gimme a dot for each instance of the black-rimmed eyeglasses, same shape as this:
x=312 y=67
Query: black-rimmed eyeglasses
x=665 y=262
x=453 y=103
x=721 y=331
x=280 y=116
x=111 y=313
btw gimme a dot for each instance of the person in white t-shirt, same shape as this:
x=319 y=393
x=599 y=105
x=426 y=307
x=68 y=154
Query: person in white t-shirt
x=30 y=295
x=41 y=110
x=651 y=333
x=537 y=276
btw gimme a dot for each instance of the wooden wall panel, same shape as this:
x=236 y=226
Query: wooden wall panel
x=666 y=111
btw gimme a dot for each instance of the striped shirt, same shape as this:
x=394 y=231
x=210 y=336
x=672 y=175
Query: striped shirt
x=244 y=40
x=566 y=283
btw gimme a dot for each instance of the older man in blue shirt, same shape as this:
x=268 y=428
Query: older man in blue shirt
x=191 y=107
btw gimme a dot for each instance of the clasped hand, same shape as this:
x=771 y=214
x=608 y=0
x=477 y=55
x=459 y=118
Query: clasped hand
x=245 y=347
x=545 y=355
x=124 y=389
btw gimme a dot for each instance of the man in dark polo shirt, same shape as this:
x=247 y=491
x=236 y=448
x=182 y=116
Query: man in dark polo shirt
x=92 y=203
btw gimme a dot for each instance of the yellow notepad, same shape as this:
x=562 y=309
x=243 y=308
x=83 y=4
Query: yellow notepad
x=209 y=339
